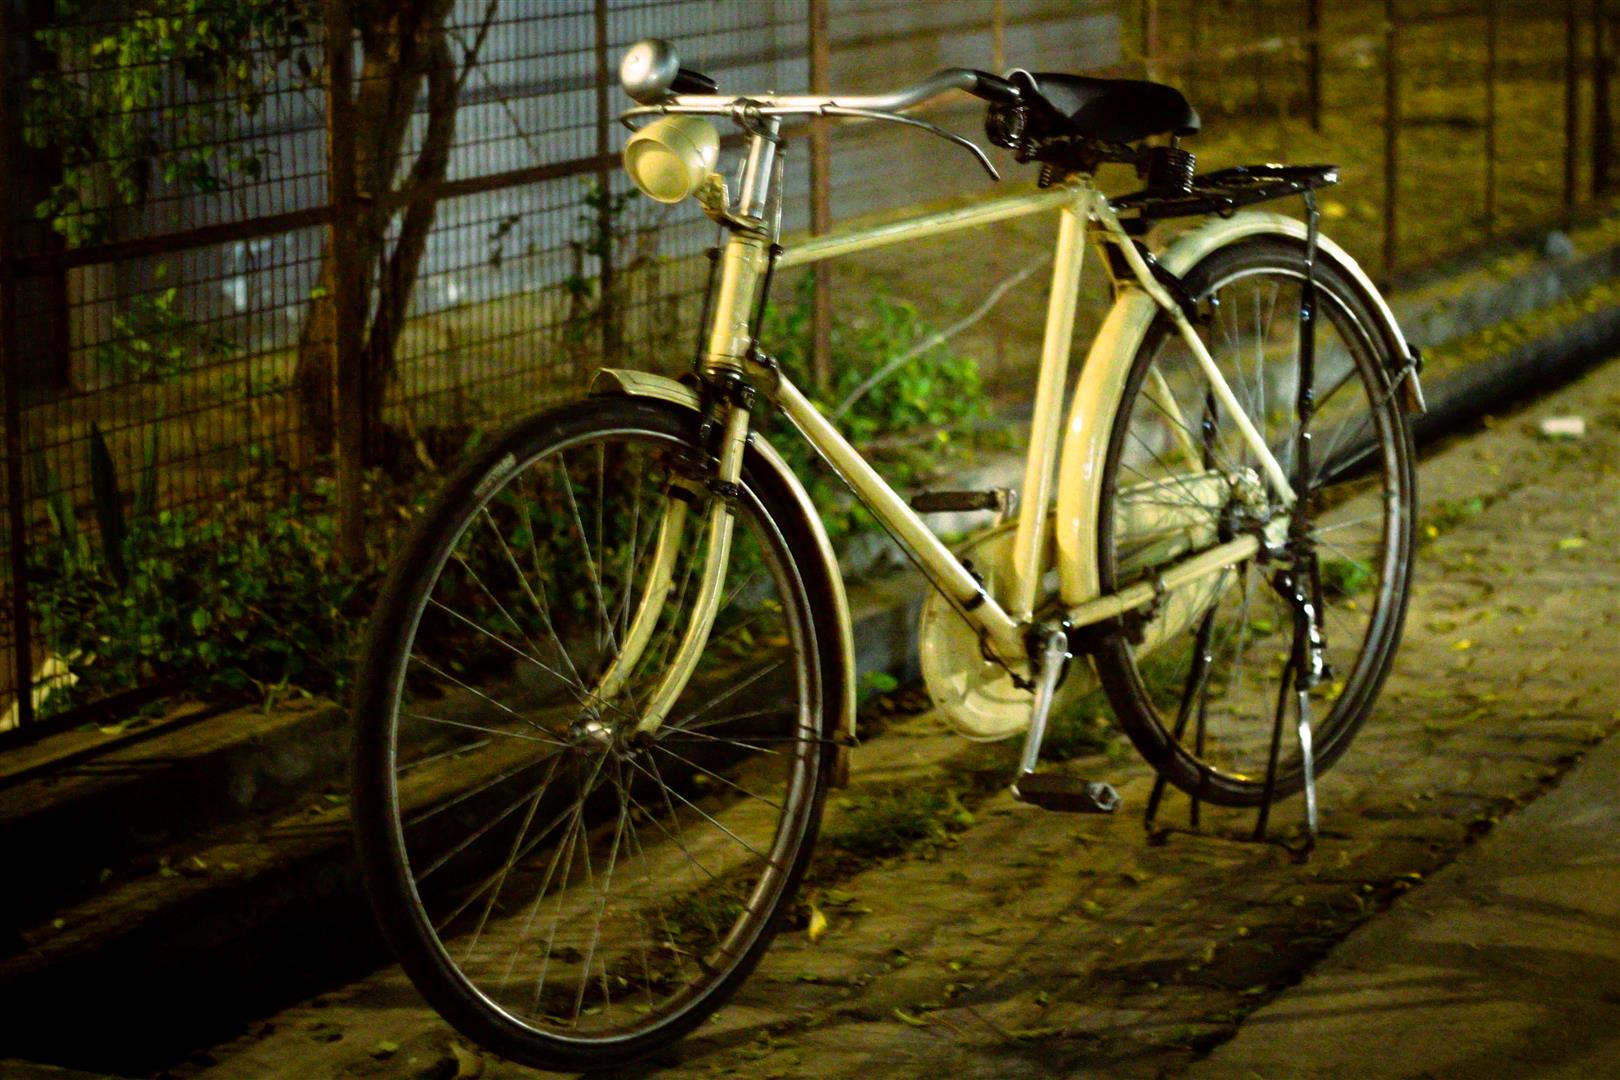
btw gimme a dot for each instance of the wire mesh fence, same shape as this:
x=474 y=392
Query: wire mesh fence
x=264 y=250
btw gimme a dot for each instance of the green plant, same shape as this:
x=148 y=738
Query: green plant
x=615 y=259
x=205 y=606
x=112 y=114
x=908 y=424
x=1345 y=577
x=153 y=340
x=879 y=824
x=875 y=683
x=173 y=598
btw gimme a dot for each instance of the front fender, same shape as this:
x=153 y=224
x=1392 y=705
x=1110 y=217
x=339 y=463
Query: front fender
x=838 y=655
x=1102 y=383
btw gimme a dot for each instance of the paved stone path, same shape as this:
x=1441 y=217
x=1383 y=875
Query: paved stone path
x=1506 y=964
x=1039 y=945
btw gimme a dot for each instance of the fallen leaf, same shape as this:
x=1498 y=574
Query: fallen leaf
x=906 y=1018
x=818 y=924
x=469 y=1065
x=386 y=1048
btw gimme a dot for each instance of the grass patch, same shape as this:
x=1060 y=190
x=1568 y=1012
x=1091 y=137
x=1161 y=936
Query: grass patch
x=701 y=912
x=881 y=824
x=1082 y=730
x=1345 y=577
x=1447 y=515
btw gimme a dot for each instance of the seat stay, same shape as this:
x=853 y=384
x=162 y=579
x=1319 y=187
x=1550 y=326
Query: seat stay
x=1252 y=437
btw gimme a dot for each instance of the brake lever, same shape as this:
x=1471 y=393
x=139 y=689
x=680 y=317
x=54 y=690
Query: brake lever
x=873 y=114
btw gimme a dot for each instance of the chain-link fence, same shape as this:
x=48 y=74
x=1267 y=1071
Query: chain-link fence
x=272 y=248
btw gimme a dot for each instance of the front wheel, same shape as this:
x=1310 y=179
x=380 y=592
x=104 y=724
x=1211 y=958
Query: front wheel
x=566 y=889
x=1200 y=694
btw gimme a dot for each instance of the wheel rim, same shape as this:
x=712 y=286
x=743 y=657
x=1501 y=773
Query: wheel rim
x=580 y=881
x=1211 y=688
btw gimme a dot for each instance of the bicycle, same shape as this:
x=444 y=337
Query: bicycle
x=611 y=676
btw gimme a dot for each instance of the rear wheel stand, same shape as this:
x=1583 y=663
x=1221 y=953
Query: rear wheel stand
x=1301 y=585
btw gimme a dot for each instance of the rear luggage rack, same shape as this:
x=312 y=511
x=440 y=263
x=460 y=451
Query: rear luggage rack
x=1224 y=191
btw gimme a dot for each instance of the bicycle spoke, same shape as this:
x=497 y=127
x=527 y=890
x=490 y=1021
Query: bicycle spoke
x=585 y=543
x=408 y=714
x=502 y=706
x=513 y=649
x=717 y=776
x=709 y=818
x=541 y=600
x=484 y=830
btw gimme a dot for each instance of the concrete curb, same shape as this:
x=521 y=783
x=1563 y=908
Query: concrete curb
x=1519 y=373
x=128 y=804
x=1434 y=314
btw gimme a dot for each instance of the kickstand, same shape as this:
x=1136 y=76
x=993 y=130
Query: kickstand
x=1303 y=671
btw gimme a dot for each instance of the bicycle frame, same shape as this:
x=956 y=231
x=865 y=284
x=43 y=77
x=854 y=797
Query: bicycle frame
x=1005 y=628
x=1084 y=215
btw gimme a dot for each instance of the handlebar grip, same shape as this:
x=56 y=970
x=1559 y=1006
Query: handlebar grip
x=688 y=81
x=994 y=89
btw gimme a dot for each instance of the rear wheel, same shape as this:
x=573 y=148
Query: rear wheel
x=1200 y=694
x=565 y=890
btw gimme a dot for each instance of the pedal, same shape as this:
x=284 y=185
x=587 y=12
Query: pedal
x=1001 y=500
x=1069 y=795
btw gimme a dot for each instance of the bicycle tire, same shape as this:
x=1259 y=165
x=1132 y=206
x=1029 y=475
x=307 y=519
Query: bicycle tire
x=1201 y=723
x=441 y=805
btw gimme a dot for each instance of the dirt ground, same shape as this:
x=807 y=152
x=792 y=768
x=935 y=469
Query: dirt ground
x=1033 y=944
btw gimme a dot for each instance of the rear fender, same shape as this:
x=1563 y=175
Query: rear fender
x=1102 y=382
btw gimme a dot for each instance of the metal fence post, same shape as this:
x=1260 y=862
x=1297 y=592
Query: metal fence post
x=1572 y=103
x=1492 y=25
x=820 y=202
x=1603 y=46
x=16 y=521
x=1313 y=62
x=607 y=306
x=998 y=36
x=1392 y=143
x=347 y=281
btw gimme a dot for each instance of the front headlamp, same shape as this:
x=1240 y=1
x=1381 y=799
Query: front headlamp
x=669 y=157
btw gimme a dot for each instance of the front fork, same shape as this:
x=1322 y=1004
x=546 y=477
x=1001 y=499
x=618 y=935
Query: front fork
x=723 y=489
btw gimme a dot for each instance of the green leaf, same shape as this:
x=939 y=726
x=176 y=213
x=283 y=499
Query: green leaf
x=108 y=504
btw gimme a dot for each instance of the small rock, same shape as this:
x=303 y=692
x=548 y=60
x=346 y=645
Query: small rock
x=1558 y=245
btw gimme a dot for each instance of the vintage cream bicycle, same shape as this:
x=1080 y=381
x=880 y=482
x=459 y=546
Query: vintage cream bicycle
x=612 y=677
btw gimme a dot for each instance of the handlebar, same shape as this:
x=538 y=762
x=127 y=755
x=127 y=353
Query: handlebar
x=980 y=84
x=652 y=75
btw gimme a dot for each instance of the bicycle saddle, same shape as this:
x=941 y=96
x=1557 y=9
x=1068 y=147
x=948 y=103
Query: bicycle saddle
x=1111 y=110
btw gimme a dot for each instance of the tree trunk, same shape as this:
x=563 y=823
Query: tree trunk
x=402 y=47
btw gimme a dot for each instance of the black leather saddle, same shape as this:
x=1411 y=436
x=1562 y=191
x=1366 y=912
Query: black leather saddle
x=1110 y=110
